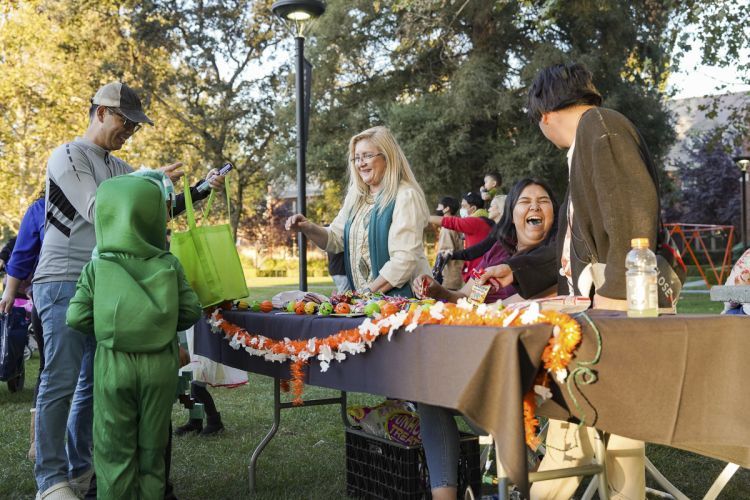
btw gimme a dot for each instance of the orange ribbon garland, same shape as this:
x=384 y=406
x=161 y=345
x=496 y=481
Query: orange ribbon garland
x=556 y=357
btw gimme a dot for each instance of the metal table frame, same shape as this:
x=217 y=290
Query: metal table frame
x=278 y=405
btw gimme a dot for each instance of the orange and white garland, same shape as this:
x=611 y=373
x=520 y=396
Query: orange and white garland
x=566 y=336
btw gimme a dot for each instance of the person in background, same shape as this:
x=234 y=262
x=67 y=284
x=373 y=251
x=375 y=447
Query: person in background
x=20 y=269
x=496 y=210
x=613 y=197
x=381 y=224
x=450 y=241
x=473 y=224
x=6 y=251
x=133 y=297
x=493 y=184
x=337 y=271
x=740 y=276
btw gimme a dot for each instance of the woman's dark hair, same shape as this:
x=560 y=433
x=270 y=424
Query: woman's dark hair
x=450 y=203
x=560 y=86
x=505 y=231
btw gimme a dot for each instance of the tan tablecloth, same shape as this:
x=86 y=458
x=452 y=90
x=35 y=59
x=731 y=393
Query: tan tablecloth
x=671 y=380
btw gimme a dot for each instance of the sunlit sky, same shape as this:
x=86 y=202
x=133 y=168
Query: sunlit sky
x=695 y=79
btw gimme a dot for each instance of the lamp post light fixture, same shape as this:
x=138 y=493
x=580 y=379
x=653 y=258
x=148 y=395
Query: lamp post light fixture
x=298 y=14
x=743 y=162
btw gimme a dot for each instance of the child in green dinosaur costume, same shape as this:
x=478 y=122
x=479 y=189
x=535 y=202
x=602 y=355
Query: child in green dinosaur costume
x=133 y=296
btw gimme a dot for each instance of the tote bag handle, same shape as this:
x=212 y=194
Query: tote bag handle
x=190 y=211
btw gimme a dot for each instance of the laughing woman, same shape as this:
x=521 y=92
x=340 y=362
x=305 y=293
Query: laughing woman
x=380 y=226
x=527 y=223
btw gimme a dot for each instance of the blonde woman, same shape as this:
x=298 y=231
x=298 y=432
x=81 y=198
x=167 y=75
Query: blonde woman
x=381 y=224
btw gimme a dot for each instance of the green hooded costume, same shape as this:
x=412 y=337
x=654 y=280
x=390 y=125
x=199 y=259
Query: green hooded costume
x=133 y=296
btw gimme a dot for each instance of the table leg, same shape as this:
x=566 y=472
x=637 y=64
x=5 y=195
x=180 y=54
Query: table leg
x=600 y=453
x=663 y=481
x=277 y=407
x=503 y=482
x=721 y=481
x=269 y=436
x=343 y=410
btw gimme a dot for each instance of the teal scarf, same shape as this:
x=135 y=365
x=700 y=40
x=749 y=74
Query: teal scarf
x=377 y=237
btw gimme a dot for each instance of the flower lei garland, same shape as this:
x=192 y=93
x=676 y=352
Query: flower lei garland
x=557 y=355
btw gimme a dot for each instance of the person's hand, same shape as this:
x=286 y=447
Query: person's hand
x=502 y=273
x=184 y=357
x=295 y=222
x=6 y=303
x=424 y=286
x=447 y=254
x=173 y=171
x=215 y=180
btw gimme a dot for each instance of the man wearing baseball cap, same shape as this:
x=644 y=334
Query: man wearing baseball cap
x=74 y=171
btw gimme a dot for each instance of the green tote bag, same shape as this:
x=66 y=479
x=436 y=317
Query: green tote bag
x=209 y=255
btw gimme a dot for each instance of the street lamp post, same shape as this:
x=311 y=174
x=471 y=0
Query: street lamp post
x=297 y=13
x=743 y=162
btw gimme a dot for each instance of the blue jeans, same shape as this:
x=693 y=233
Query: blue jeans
x=64 y=405
x=440 y=440
x=439 y=432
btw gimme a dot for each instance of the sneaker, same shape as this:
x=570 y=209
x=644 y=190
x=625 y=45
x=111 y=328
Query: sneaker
x=59 y=491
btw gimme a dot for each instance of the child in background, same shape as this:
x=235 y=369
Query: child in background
x=740 y=275
x=133 y=297
x=493 y=183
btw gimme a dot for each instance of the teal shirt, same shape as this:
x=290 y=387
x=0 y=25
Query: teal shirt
x=377 y=239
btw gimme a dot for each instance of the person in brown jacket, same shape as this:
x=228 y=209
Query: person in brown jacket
x=612 y=197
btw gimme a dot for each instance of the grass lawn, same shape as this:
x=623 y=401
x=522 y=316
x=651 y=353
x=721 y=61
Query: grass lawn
x=306 y=459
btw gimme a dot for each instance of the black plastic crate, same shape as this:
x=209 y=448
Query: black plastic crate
x=378 y=468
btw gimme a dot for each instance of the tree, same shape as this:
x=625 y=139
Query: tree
x=44 y=90
x=213 y=89
x=710 y=183
x=449 y=79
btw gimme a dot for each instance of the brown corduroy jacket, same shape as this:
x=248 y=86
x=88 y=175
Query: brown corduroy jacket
x=614 y=188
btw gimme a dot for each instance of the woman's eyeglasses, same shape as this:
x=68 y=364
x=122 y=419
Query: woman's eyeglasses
x=127 y=122
x=365 y=158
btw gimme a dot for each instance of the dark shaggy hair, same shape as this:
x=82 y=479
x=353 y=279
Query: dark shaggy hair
x=451 y=204
x=560 y=86
x=505 y=231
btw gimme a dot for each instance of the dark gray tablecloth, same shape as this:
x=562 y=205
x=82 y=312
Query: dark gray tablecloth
x=674 y=380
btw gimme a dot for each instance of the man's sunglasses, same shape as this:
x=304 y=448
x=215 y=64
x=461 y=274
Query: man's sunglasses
x=127 y=122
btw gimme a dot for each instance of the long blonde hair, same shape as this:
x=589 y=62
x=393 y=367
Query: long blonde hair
x=397 y=170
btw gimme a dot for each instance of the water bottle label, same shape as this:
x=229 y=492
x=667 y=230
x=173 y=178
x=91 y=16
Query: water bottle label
x=642 y=292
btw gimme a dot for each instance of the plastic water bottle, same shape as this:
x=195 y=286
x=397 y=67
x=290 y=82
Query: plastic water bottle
x=641 y=278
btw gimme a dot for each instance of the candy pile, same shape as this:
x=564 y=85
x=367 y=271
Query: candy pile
x=373 y=305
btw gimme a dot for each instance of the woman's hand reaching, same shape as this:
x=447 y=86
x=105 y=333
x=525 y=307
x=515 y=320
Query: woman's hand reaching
x=425 y=287
x=502 y=273
x=295 y=222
